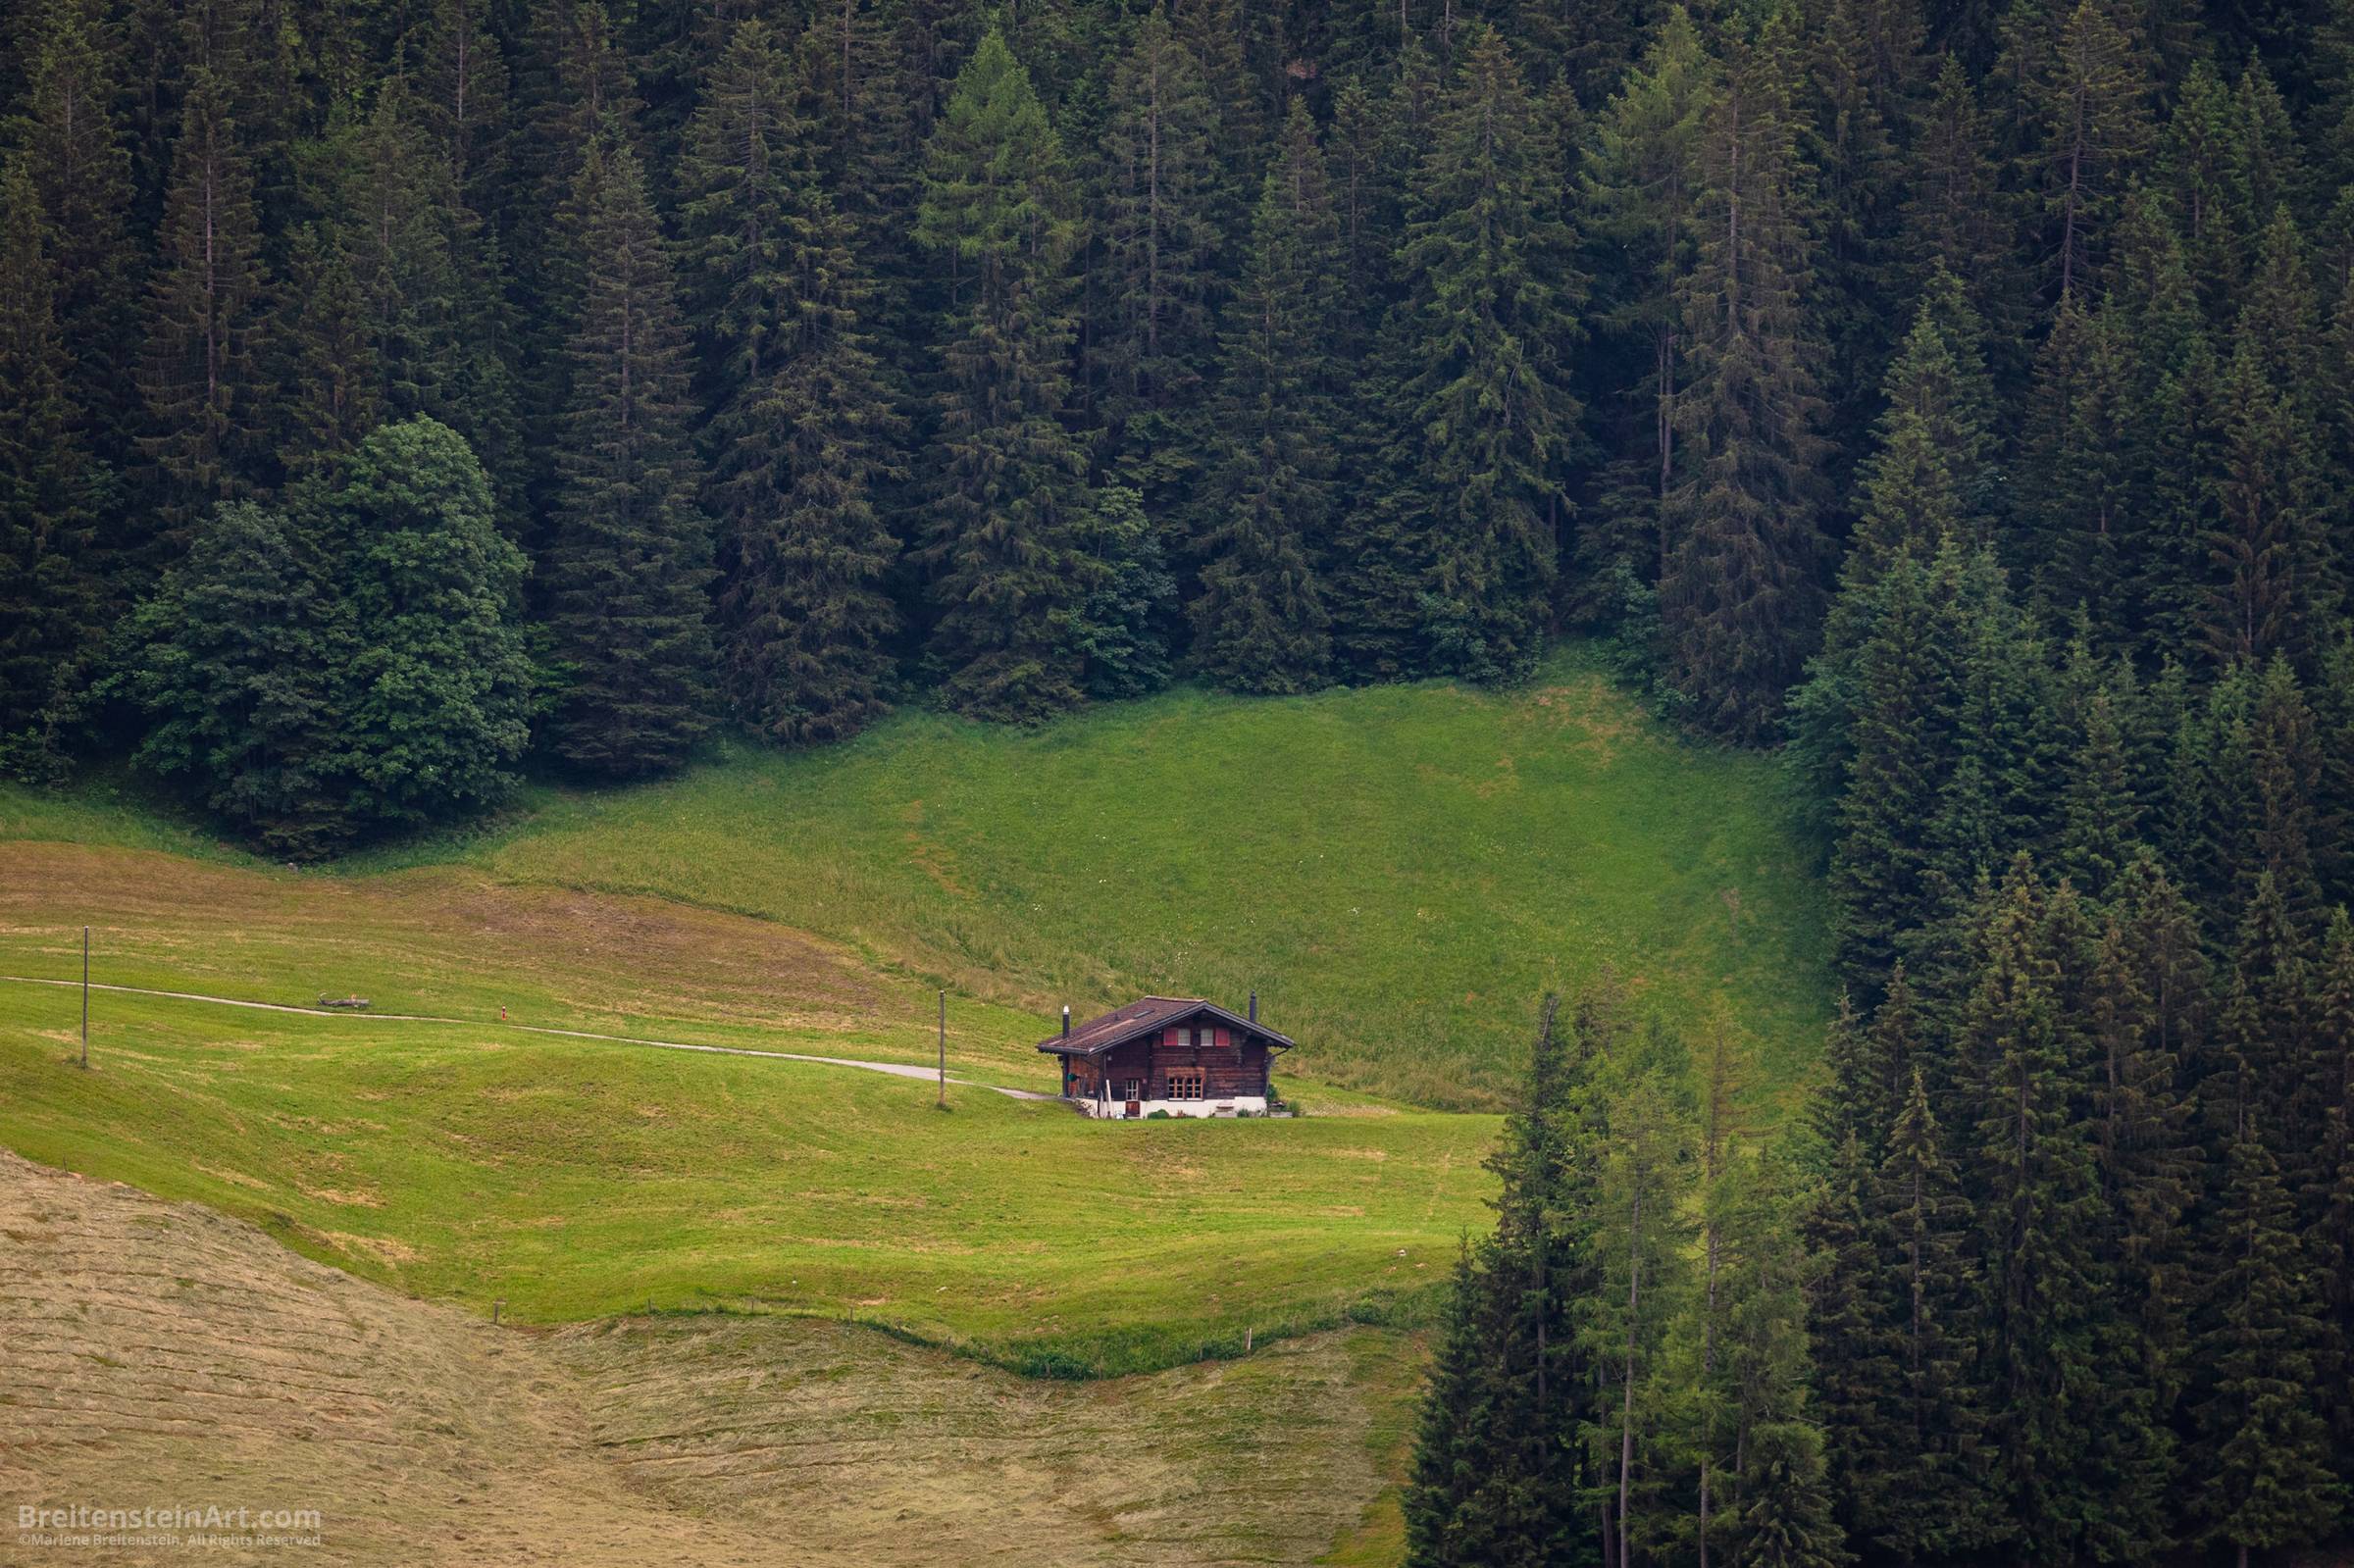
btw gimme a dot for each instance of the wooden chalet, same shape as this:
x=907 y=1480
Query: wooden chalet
x=1178 y=1054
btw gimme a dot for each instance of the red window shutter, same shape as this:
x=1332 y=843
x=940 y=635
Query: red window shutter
x=1221 y=1037
x=1168 y=1037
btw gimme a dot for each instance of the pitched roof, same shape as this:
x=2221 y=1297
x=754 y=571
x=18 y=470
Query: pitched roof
x=1142 y=1017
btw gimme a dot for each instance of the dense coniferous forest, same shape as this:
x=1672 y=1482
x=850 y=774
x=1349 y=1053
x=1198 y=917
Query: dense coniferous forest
x=1959 y=396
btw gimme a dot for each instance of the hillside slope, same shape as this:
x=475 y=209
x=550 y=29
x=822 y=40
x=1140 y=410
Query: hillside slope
x=1398 y=870
x=160 y=1354
x=581 y=1179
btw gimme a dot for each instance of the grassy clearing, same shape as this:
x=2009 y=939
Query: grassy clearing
x=579 y=1180
x=1401 y=871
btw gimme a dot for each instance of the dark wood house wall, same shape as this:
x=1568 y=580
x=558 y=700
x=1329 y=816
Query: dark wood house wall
x=1239 y=1068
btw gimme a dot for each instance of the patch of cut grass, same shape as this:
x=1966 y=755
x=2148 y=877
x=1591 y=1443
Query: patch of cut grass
x=452 y=942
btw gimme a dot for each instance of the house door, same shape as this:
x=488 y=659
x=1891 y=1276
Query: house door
x=1132 y=1091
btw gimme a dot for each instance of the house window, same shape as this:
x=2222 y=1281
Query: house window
x=1132 y=1088
x=1185 y=1083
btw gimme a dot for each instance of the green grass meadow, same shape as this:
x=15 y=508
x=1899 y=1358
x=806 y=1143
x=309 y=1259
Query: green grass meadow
x=579 y=1180
x=1401 y=872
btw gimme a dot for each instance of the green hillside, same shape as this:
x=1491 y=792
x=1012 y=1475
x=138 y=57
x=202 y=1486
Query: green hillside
x=582 y=1179
x=1398 y=870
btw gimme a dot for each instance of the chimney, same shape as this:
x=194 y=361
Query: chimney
x=1066 y=1021
x=1254 y=1008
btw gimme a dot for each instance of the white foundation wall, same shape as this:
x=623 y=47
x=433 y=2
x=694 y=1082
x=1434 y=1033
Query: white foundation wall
x=1256 y=1104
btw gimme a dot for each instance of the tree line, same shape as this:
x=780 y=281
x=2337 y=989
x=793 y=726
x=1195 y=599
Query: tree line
x=2059 y=1270
x=824 y=355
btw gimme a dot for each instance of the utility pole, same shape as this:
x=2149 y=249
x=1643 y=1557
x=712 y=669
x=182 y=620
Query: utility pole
x=86 y=998
x=943 y=1048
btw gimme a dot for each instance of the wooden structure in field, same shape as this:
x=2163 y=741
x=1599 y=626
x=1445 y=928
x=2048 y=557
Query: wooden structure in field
x=1178 y=1054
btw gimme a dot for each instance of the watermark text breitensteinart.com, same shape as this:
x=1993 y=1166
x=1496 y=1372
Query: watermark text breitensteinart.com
x=171 y=1527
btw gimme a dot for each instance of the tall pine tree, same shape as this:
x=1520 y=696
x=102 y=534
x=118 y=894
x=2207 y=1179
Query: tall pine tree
x=1740 y=593
x=802 y=429
x=1009 y=499
x=1260 y=622
x=627 y=558
x=1487 y=421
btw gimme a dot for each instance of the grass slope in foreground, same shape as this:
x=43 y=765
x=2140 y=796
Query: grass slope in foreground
x=161 y=1342
x=1400 y=870
x=579 y=1180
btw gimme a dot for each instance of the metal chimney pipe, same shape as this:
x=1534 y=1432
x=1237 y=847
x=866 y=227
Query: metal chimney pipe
x=1254 y=1008
x=1066 y=1021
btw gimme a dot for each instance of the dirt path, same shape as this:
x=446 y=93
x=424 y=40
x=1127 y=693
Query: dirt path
x=895 y=1069
x=163 y=1354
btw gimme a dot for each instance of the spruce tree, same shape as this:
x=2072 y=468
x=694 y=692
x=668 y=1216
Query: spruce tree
x=1362 y=202
x=1641 y=1241
x=1954 y=212
x=393 y=202
x=800 y=436
x=2264 y=1457
x=1731 y=1237
x=627 y=558
x=2268 y=175
x=201 y=365
x=855 y=59
x=462 y=96
x=1920 y=1486
x=2100 y=812
x=1159 y=242
x=1842 y=1321
x=2328 y=1200
x=1901 y=736
x=572 y=84
x=1639 y=181
x=2080 y=1462
x=1932 y=469
x=1739 y=595
x=1240 y=47
x=2143 y=1025
x=2269 y=585
x=572 y=79
x=2285 y=765
x=2193 y=167
x=327 y=382
x=2089 y=103
x=1380 y=556
x=1779 y=1485
x=1454 y=1431
x=1009 y=503
x=1487 y=421
x=2160 y=446
x=1858 y=82
x=50 y=597
x=1117 y=632
x=78 y=163
x=1259 y=621
x=1497 y=1468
